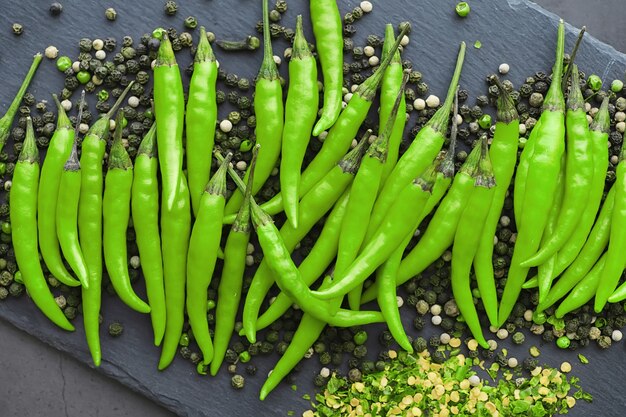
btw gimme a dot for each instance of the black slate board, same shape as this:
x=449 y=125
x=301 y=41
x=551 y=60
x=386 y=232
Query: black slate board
x=437 y=31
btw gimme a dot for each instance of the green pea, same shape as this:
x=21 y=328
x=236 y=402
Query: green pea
x=485 y=121
x=244 y=356
x=245 y=145
x=184 y=340
x=64 y=63
x=594 y=82
x=103 y=95
x=124 y=122
x=3 y=168
x=539 y=317
x=6 y=228
x=563 y=342
x=462 y=9
x=617 y=86
x=83 y=77
x=18 y=277
x=210 y=304
x=360 y=337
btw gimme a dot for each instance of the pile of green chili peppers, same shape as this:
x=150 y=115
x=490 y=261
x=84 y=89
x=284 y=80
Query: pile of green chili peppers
x=375 y=199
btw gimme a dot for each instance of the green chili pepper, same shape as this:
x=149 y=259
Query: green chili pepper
x=145 y=213
x=419 y=155
x=268 y=109
x=328 y=31
x=583 y=291
x=312 y=207
x=229 y=290
x=615 y=260
x=67 y=209
x=542 y=179
x=23 y=212
x=202 y=255
x=503 y=155
x=578 y=170
x=7 y=120
x=401 y=222
x=201 y=115
x=169 y=107
x=363 y=196
x=58 y=151
x=116 y=213
x=342 y=133
x=313 y=266
x=90 y=223
x=389 y=87
x=300 y=115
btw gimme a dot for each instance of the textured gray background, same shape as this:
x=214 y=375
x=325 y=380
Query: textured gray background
x=38 y=380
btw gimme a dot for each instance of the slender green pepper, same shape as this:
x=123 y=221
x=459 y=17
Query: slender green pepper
x=201 y=115
x=391 y=84
x=90 y=223
x=503 y=154
x=312 y=207
x=419 y=155
x=58 y=151
x=316 y=262
x=116 y=213
x=229 y=290
x=440 y=232
x=591 y=251
x=543 y=172
x=583 y=291
x=23 y=212
x=328 y=32
x=387 y=296
x=521 y=174
x=175 y=230
x=144 y=203
x=466 y=241
x=300 y=114
x=7 y=120
x=400 y=223
x=169 y=109
x=202 y=255
x=615 y=260
x=579 y=174
x=67 y=209
x=342 y=133
x=269 y=111
x=363 y=196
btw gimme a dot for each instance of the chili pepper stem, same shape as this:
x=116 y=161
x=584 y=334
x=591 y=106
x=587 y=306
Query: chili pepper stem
x=568 y=69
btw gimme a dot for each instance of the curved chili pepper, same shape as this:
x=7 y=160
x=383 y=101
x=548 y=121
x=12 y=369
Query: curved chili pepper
x=312 y=207
x=503 y=155
x=313 y=266
x=389 y=87
x=419 y=155
x=6 y=121
x=300 y=115
x=521 y=174
x=543 y=173
x=67 y=209
x=363 y=196
x=58 y=151
x=269 y=112
x=440 y=232
x=200 y=118
x=466 y=241
x=144 y=203
x=202 y=255
x=229 y=290
x=342 y=133
x=591 y=251
x=169 y=109
x=116 y=213
x=328 y=31
x=579 y=174
x=400 y=223
x=23 y=213
x=90 y=222
x=583 y=291
x=615 y=259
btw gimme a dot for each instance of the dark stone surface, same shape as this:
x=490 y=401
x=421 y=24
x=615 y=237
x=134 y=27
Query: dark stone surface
x=131 y=359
